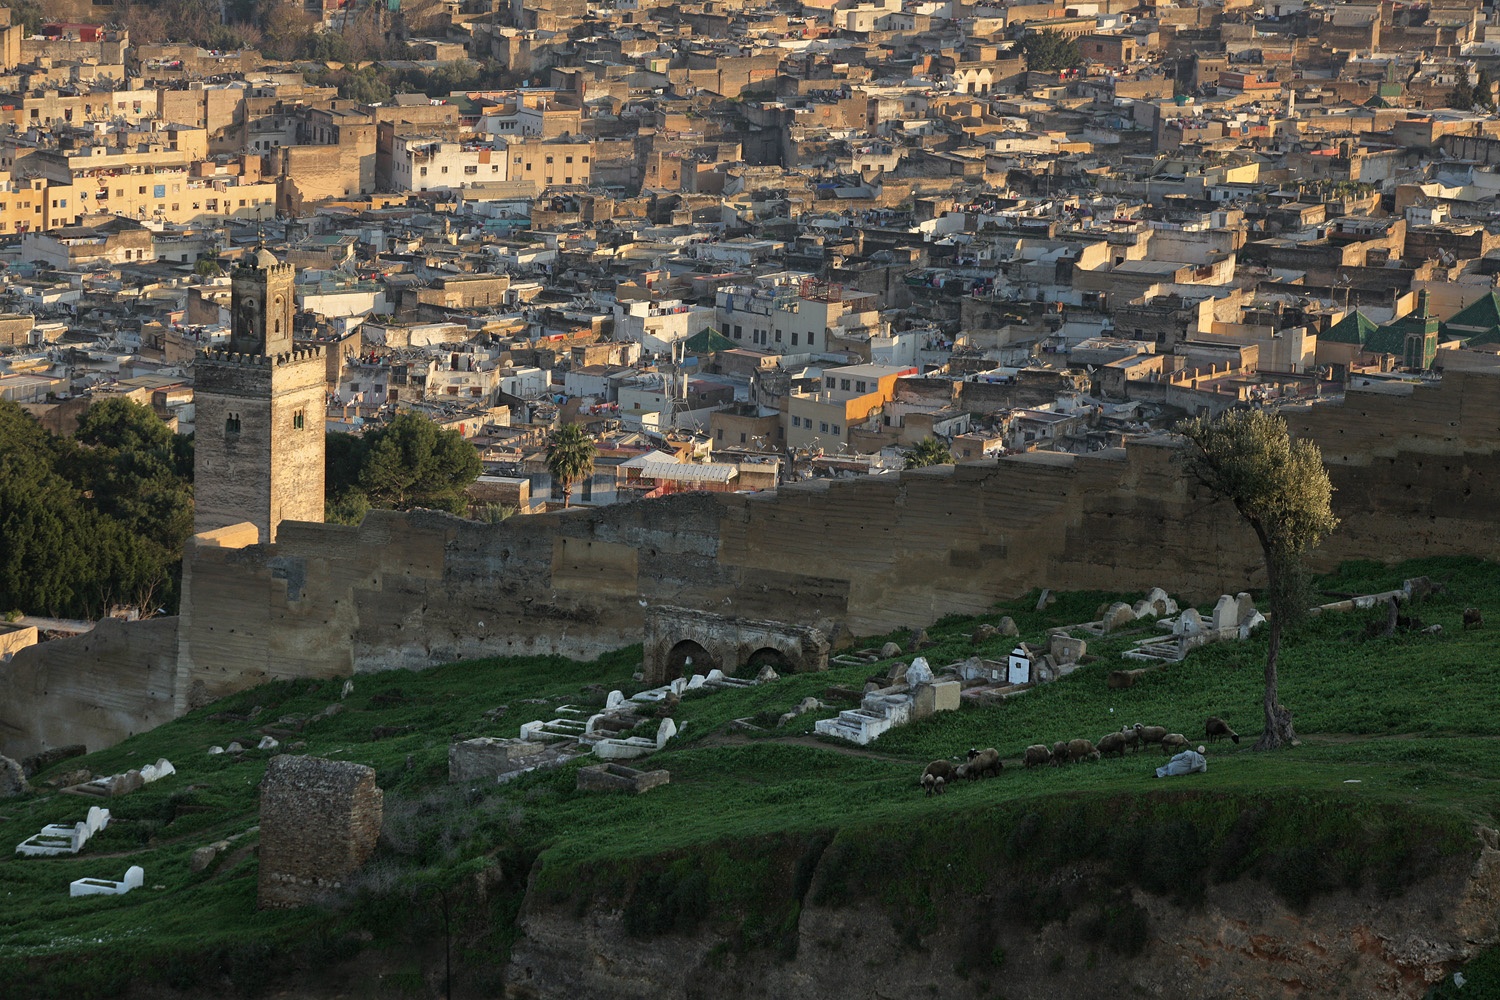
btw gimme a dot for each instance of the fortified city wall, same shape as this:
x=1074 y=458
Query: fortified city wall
x=1417 y=471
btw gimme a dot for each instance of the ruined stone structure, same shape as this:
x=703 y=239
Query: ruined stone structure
x=677 y=638
x=258 y=454
x=1417 y=471
x=319 y=821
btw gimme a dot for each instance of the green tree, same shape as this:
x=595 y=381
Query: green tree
x=343 y=457
x=1282 y=491
x=208 y=266
x=41 y=520
x=138 y=473
x=570 y=457
x=929 y=451
x=1047 y=51
x=406 y=464
x=27 y=13
x=1483 y=90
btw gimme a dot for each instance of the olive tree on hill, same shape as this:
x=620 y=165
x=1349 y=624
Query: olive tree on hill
x=1280 y=488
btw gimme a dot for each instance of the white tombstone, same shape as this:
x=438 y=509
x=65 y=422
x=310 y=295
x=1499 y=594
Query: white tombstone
x=1190 y=622
x=679 y=685
x=532 y=731
x=135 y=877
x=695 y=682
x=1226 y=613
x=591 y=728
x=716 y=676
x=1164 y=605
x=155 y=772
x=666 y=731
x=1249 y=624
x=615 y=700
x=98 y=819
x=919 y=672
x=214 y=750
x=1018 y=670
x=348 y=690
x=267 y=743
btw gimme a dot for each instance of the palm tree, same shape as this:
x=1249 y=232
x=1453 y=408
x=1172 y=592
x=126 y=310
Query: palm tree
x=930 y=451
x=570 y=457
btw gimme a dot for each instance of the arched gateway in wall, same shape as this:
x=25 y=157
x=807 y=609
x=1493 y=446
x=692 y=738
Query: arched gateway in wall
x=680 y=640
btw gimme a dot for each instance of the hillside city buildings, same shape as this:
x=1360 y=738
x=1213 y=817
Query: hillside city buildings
x=752 y=243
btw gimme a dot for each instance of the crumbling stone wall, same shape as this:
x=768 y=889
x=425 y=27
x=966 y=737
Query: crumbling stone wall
x=96 y=689
x=319 y=822
x=729 y=642
x=1416 y=475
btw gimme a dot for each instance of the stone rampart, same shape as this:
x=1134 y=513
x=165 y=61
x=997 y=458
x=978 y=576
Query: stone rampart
x=1417 y=472
x=95 y=689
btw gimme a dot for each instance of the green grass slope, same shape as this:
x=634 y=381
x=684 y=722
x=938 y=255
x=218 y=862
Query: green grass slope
x=1398 y=764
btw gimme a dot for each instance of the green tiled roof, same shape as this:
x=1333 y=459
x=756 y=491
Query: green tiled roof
x=1481 y=316
x=708 y=341
x=1354 y=328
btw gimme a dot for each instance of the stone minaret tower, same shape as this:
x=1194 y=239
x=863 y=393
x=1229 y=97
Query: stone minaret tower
x=258 y=451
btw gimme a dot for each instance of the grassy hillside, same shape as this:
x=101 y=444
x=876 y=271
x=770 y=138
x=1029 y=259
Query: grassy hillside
x=1398 y=764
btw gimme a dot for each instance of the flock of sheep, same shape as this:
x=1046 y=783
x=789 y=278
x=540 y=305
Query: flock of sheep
x=986 y=763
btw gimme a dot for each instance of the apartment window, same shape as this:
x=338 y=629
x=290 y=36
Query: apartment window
x=742 y=439
x=720 y=434
x=232 y=424
x=836 y=428
x=822 y=427
x=298 y=422
x=142 y=189
x=796 y=421
x=242 y=203
x=830 y=381
x=470 y=171
x=518 y=159
x=585 y=159
x=778 y=336
x=567 y=159
x=794 y=338
x=567 y=180
x=494 y=168
x=549 y=159
x=445 y=170
x=424 y=171
x=175 y=206
x=859 y=386
x=844 y=384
